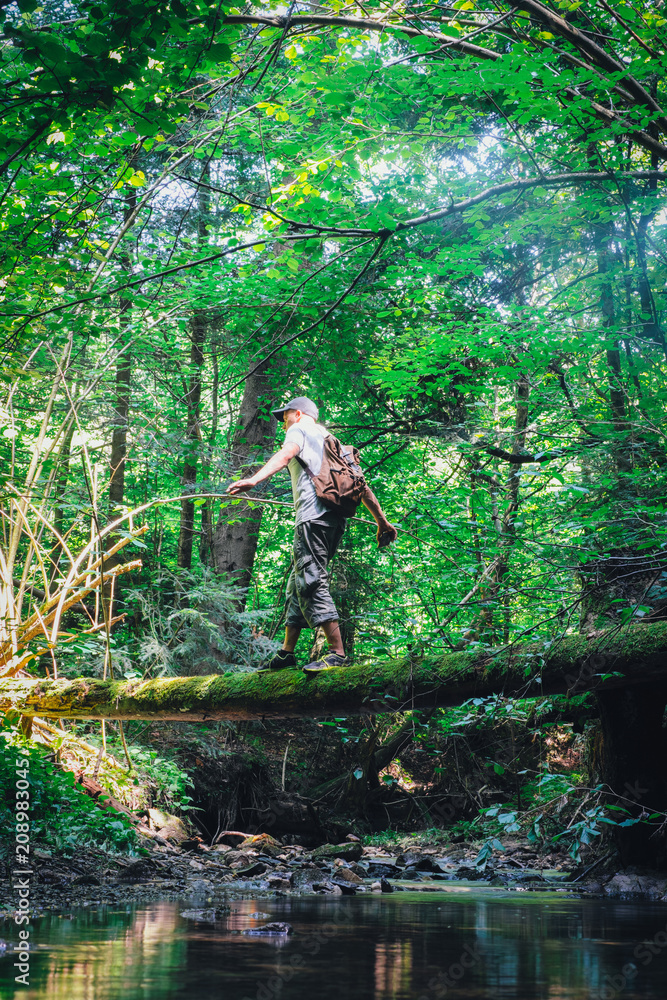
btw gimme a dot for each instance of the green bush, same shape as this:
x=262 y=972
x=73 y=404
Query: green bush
x=169 y=783
x=61 y=815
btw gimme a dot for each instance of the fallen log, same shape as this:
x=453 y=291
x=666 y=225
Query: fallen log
x=102 y=797
x=573 y=664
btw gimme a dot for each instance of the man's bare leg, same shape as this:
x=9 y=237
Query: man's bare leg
x=330 y=629
x=334 y=638
x=292 y=633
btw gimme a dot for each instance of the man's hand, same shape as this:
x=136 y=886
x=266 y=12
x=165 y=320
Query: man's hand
x=386 y=534
x=242 y=486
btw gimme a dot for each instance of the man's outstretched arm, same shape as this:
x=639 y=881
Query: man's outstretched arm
x=277 y=462
x=371 y=503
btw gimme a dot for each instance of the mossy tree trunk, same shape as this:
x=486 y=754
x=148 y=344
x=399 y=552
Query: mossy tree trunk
x=575 y=664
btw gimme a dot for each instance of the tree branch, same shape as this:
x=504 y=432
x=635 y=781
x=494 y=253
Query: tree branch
x=559 y=26
x=364 y=24
x=583 y=43
x=521 y=458
x=382 y=234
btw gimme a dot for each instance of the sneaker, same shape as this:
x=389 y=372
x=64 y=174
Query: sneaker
x=326 y=663
x=282 y=659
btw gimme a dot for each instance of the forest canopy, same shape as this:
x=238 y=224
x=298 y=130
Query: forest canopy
x=443 y=222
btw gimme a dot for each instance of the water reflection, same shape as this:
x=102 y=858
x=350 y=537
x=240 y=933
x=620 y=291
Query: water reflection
x=400 y=947
x=393 y=968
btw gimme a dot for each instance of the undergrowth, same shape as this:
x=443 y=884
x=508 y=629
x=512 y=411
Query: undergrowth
x=155 y=779
x=184 y=623
x=61 y=815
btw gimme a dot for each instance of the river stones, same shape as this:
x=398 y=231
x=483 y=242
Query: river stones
x=378 y=869
x=86 y=880
x=268 y=851
x=168 y=827
x=279 y=882
x=328 y=887
x=420 y=862
x=412 y=875
x=260 y=841
x=277 y=927
x=303 y=878
x=345 y=887
x=472 y=874
x=239 y=858
x=342 y=874
x=251 y=870
x=138 y=871
x=637 y=886
x=348 y=852
x=199 y=887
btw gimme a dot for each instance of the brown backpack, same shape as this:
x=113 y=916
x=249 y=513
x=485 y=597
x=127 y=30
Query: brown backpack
x=340 y=483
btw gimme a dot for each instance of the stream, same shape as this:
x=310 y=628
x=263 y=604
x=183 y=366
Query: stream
x=461 y=943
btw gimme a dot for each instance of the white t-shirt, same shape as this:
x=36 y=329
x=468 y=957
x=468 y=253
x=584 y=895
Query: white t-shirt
x=310 y=439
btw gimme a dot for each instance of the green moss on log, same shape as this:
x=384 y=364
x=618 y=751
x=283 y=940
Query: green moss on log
x=573 y=664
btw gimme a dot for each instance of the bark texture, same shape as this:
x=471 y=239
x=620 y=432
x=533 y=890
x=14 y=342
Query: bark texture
x=235 y=538
x=192 y=391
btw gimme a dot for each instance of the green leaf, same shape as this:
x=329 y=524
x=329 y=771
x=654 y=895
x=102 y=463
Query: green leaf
x=219 y=52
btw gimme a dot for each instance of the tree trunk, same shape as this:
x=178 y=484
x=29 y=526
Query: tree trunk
x=495 y=590
x=192 y=433
x=121 y=413
x=617 y=394
x=352 y=788
x=121 y=420
x=620 y=582
x=513 y=500
x=650 y=321
x=633 y=766
x=235 y=544
x=121 y=410
x=193 y=394
x=206 y=509
x=638 y=656
x=62 y=477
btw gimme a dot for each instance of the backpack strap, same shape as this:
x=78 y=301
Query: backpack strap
x=304 y=465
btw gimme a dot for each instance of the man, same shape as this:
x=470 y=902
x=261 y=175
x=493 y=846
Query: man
x=317 y=534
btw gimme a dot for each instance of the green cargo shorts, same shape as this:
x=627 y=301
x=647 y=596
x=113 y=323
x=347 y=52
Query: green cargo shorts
x=309 y=602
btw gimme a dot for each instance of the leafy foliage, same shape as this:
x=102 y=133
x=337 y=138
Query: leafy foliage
x=60 y=814
x=443 y=223
x=183 y=624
